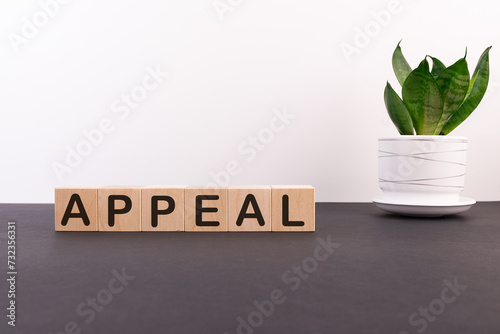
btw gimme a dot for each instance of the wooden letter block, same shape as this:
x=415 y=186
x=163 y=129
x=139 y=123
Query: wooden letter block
x=292 y=208
x=119 y=209
x=249 y=208
x=205 y=209
x=162 y=208
x=76 y=209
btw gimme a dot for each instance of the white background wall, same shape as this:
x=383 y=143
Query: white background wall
x=229 y=71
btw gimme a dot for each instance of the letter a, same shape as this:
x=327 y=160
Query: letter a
x=75 y=198
x=244 y=208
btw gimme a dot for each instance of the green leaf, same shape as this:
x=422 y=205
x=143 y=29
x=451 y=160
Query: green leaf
x=453 y=84
x=397 y=111
x=437 y=67
x=477 y=88
x=400 y=65
x=422 y=99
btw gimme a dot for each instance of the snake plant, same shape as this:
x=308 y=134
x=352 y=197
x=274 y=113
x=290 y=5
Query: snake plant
x=435 y=100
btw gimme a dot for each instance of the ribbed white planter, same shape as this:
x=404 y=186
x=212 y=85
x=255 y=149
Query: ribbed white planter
x=418 y=170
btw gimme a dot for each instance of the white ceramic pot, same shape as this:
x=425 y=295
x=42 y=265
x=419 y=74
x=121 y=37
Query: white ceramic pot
x=419 y=170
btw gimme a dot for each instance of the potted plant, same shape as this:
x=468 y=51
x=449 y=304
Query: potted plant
x=422 y=171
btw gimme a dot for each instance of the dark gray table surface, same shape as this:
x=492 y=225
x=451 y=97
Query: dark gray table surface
x=387 y=275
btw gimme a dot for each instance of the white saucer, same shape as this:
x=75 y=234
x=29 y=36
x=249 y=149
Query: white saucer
x=425 y=210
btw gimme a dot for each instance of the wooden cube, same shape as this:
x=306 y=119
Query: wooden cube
x=76 y=209
x=205 y=209
x=249 y=208
x=162 y=208
x=292 y=208
x=119 y=208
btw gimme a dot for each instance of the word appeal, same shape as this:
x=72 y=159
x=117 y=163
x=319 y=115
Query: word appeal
x=189 y=209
